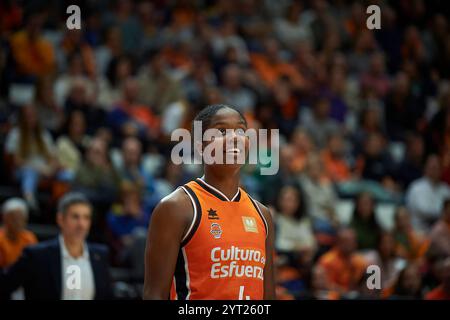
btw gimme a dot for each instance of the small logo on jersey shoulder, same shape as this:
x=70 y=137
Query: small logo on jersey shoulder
x=250 y=224
x=212 y=214
x=216 y=230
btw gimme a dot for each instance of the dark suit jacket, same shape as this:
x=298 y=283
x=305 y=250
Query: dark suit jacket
x=38 y=271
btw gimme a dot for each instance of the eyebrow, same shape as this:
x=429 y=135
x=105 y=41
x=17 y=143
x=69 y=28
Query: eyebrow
x=226 y=123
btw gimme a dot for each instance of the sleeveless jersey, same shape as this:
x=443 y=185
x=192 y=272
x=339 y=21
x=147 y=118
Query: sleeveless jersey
x=223 y=254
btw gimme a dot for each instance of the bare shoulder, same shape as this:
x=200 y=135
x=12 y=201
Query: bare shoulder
x=175 y=206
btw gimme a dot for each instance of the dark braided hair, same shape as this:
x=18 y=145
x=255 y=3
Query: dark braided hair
x=206 y=115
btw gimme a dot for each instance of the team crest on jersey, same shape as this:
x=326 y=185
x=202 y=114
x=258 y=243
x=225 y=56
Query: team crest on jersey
x=216 y=230
x=250 y=224
x=212 y=214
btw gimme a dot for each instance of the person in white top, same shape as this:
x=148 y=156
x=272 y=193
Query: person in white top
x=425 y=196
x=294 y=236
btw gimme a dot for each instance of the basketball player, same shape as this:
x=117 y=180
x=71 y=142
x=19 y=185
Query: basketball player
x=209 y=239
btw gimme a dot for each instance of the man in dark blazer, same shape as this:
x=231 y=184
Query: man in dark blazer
x=67 y=267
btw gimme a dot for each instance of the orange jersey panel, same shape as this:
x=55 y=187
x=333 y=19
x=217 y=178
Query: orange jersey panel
x=223 y=254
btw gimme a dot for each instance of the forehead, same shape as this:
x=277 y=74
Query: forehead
x=14 y=212
x=79 y=208
x=227 y=116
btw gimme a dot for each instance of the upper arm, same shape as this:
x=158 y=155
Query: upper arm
x=168 y=224
x=269 y=282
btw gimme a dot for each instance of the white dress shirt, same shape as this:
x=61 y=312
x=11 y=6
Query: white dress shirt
x=77 y=275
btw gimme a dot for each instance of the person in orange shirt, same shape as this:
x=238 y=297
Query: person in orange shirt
x=333 y=159
x=343 y=266
x=13 y=236
x=270 y=67
x=33 y=55
x=442 y=292
x=131 y=118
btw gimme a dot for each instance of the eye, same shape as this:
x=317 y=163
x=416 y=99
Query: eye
x=240 y=132
x=223 y=131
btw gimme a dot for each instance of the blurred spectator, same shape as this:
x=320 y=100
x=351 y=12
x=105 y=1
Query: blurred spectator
x=410 y=244
x=234 y=92
x=337 y=92
x=286 y=107
x=359 y=58
x=440 y=232
x=79 y=99
x=156 y=87
x=412 y=46
x=132 y=168
x=364 y=222
x=43 y=269
x=343 y=266
x=197 y=82
x=334 y=159
x=376 y=165
x=320 y=286
x=96 y=177
x=227 y=37
x=75 y=72
x=408 y=286
x=370 y=122
x=411 y=167
x=130 y=118
x=129 y=216
x=271 y=67
x=376 y=80
x=73 y=43
x=302 y=147
x=123 y=16
x=71 y=145
x=110 y=49
x=50 y=113
x=294 y=229
x=402 y=110
x=320 y=195
x=386 y=259
x=442 y=292
x=320 y=125
x=32 y=153
x=33 y=55
x=119 y=70
x=291 y=29
x=13 y=236
x=425 y=196
x=439 y=126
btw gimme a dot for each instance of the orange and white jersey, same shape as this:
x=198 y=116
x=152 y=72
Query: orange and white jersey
x=223 y=254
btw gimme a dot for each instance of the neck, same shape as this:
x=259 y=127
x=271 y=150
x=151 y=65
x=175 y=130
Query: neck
x=11 y=235
x=227 y=183
x=76 y=137
x=434 y=182
x=74 y=247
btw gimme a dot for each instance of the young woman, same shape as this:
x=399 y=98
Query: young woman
x=209 y=239
x=31 y=149
x=364 y=222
